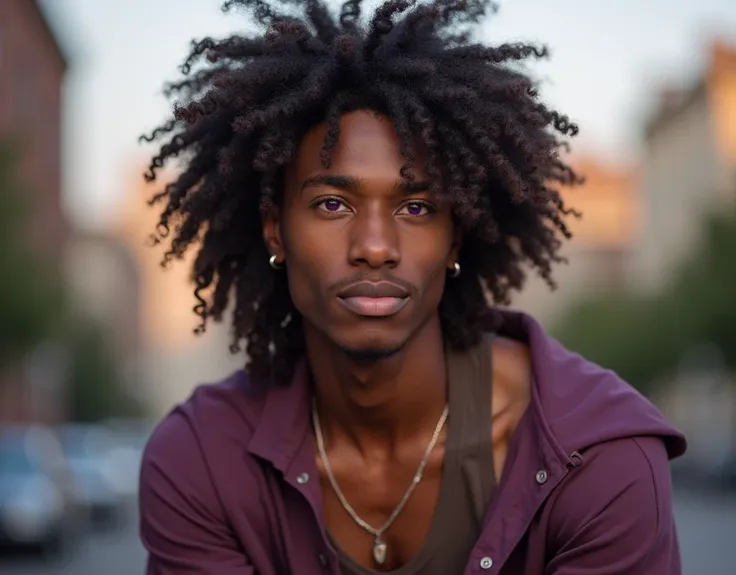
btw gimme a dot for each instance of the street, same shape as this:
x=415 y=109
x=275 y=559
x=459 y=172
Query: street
x=707 y=528
x=707 y=531
x=113 y=552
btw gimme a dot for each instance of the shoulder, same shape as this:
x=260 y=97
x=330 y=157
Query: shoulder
x=511 y=365
x=214 y=415
x=194 y=449
x=232 y=402
x=194 y=479
x=638 y=466
x=511 y=380
x=619 y=502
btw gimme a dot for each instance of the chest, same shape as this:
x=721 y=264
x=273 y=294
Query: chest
x=298 y=542
x=382 y=516
x=281 y=520
x=445 y=509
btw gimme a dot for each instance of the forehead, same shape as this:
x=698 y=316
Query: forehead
x=368 y=146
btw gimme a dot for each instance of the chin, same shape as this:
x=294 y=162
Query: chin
x=369 y=354
x=370 y=346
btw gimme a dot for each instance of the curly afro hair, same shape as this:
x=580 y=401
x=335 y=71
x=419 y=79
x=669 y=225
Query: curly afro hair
x=493 y=152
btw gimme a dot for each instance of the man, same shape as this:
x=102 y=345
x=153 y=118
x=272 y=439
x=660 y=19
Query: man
x=359 y=195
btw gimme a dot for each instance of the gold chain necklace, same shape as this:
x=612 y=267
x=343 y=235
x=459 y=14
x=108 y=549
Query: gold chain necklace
x=379 y=545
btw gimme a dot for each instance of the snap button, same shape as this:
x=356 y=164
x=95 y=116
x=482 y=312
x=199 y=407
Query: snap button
x=541 y=476
x=486 y=563
x=302 y=478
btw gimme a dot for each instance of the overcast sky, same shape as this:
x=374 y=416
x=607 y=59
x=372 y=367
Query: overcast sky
x=608 y=59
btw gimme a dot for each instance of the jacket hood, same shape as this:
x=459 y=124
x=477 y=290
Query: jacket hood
x=582 y=403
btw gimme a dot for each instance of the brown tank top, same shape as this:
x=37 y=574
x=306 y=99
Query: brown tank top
x=468 y=476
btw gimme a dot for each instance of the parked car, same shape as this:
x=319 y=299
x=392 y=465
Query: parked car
x=36 y=504
x=723 y=474
x=129 y=438
x=87 y=448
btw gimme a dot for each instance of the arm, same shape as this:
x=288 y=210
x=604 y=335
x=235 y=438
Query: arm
x=614 y=515
x=183 y=525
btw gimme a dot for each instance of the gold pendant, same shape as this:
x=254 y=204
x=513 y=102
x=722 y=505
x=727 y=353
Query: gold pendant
x=379 y=551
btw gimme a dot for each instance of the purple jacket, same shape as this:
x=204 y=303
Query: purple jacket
x=229 y=484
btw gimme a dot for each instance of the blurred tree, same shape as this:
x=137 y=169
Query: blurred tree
x=706 y=287
x=33 y=310
x=644 y=339
x=96 y=389
x=31 y=299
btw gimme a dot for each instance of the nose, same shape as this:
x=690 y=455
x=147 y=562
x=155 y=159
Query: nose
x=374 y=239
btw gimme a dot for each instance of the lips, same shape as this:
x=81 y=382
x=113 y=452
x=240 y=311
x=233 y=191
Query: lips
x=374 y=290
x=374 y=299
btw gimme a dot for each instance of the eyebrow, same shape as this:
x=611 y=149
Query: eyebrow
x=351 y=184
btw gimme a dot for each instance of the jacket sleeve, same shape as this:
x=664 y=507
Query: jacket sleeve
x=613 y=514
x=182 y=522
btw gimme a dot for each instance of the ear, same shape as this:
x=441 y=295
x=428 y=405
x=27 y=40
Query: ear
x=271 y=223
x=457 y=241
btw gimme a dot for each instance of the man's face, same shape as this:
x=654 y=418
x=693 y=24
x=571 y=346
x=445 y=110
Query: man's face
x=366 y=255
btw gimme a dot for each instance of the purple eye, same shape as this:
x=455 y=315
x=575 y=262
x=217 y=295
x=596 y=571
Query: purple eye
x=331 y=205
x=415 y=209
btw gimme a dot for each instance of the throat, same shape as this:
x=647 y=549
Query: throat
x=371 y=400
x=373 y=407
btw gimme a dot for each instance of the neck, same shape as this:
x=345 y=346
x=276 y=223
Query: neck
x=375 y=405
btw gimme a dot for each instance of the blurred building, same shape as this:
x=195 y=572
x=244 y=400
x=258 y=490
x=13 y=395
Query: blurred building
x=599 y=250
x=174 y=360
x=688 y=167
x=638 y=226
x=689 y=170
x=32 y=70
x=105 y=280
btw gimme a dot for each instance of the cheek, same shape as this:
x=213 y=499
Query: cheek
x=431 y=254
x=303 y=274
x=435 y=283
x=308 y=264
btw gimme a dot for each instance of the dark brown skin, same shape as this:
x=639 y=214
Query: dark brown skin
x=378 y=415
